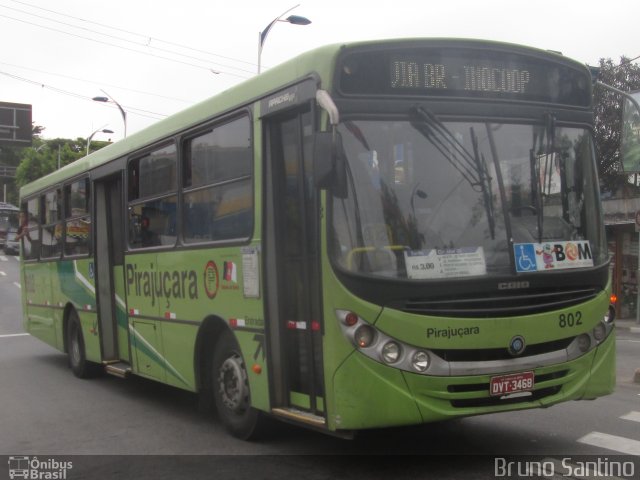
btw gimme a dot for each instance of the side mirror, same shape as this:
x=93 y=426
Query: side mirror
x=323 y=160
x=329 y=164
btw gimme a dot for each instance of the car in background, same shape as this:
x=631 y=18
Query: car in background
x=8 y=220
x=11 y=245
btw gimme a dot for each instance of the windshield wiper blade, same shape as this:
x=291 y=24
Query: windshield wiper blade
x=448 y=145
x=485 y=181
x=471 y=167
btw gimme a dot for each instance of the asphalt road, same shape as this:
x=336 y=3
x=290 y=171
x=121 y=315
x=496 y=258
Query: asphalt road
x=48 y=413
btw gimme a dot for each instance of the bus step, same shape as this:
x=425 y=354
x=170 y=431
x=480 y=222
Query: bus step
x=119 y=369
x=300 y=416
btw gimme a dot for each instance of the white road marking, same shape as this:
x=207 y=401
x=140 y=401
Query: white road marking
x=633 y=416
x=14 y=335
x=4 y=274
x=17 y=284
x=3 y=258
x=612 y=442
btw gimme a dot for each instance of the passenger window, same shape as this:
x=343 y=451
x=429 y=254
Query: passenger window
x=78 y=218
x=152 y=181
x=218 y=187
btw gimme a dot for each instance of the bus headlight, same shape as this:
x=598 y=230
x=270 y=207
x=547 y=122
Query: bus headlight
x=610 y=316
x=600 y=331
x=391 y=352
x=364 y=336
x=420 y=361
x=584 y=342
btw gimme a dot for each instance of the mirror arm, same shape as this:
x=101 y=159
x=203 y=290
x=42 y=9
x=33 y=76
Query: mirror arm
x=619 y=92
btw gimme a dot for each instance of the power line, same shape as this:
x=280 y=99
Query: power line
x=145 y=44
x=134 y=110
x=93 y=82
x=147 y=37
x=208 y=68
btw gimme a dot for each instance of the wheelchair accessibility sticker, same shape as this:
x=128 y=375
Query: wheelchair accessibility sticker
x=540 y=257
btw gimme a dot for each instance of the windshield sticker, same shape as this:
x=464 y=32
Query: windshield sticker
x=540 y=257
x=445 y=263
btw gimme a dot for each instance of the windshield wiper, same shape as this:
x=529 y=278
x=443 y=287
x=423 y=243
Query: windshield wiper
x=448 y=145
x=471 y=167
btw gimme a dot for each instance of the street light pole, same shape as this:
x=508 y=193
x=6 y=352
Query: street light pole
x=101 y=130
x=109 y=98
x=262 y=36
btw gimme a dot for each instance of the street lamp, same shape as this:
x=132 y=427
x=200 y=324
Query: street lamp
x=109 y=98
x=103 y=130
x=293 y=19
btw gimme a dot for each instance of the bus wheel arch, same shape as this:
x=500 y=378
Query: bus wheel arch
x=74 y=346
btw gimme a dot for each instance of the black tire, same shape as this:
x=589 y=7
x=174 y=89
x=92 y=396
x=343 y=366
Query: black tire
x=230 y=388
x=80 y=366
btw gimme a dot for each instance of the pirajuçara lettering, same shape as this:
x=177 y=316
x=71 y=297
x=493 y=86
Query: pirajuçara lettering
x=449 y=332
x=167 y=284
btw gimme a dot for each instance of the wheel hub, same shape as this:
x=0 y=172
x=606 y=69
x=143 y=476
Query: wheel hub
x=232 y=384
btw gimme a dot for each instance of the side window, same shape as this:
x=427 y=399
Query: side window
x=77 y=225
x=218 y=187
x=30 y=223
x=51 y=244
x=152 y=195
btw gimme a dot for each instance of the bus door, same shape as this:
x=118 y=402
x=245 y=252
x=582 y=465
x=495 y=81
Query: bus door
x=292 y=267
x=109 y=260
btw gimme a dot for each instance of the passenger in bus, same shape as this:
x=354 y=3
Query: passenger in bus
x=22 y=227
x=148 y=237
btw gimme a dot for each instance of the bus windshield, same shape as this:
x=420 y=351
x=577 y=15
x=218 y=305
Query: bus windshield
x=429 y=200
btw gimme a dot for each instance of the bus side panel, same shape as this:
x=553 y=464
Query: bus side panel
x=39 y=316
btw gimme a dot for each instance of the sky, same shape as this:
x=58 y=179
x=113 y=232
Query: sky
x=157 y=57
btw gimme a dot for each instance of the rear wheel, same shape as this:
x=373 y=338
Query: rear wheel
x=80 y=366
x=230 y=386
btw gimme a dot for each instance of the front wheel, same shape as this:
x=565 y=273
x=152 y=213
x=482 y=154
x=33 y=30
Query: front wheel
x=230 y=386
x=80 y=366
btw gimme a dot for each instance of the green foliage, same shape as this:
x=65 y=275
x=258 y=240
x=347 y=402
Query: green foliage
x=608 y=119
x=47 y=156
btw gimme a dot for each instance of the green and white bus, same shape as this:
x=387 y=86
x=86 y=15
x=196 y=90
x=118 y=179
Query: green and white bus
x=372 y=234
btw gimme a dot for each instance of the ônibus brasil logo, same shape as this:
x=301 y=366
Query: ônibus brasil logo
x=36 y=469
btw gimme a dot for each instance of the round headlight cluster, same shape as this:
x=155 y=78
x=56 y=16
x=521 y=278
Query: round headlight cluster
x=383 y=348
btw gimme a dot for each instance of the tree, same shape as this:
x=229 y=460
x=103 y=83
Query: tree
x=47 y=156
x=608 y=120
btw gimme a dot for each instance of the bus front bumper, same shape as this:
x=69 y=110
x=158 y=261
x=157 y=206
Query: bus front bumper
x=371 y=395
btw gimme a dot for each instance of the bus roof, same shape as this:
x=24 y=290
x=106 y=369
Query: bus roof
x=320 y=60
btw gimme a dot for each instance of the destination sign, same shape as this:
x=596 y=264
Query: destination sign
x=469 y=73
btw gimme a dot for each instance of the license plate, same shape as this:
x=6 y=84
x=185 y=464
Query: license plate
x=514 y=383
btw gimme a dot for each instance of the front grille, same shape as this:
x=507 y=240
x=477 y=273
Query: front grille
x=502 y=304
x=489 y=354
